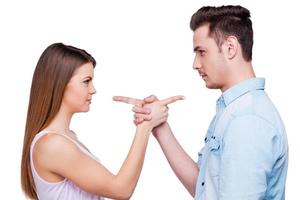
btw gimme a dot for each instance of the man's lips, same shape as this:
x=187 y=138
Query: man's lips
x=203 y=75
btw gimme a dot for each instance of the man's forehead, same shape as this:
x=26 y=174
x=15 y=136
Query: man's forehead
x=201 y=34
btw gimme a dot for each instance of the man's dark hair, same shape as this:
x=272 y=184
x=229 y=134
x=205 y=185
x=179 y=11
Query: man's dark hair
x=224 y=21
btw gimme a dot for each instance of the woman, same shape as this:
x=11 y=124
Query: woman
x=55 y=165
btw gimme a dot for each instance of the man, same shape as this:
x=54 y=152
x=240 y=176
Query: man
x=246 y=152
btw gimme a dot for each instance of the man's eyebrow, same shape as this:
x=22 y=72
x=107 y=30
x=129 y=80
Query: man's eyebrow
x=197 y=48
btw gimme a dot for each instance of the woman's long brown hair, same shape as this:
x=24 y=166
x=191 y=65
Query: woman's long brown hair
x=52 y=73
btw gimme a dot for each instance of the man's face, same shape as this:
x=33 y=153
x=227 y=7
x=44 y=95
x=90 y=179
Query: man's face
x=209 y=60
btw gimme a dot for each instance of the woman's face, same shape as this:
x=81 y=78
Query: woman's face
x=79 y=90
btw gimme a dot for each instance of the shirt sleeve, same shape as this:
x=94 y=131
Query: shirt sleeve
x=249 y=147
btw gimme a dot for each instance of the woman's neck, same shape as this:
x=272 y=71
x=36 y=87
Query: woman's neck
x=61 y=122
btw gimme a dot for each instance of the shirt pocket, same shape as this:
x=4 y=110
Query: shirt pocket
x=213 y=164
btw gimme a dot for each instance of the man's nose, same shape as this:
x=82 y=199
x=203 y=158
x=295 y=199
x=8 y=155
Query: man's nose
x=197 y=64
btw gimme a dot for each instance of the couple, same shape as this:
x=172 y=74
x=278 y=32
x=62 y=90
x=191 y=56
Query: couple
x=245 y=154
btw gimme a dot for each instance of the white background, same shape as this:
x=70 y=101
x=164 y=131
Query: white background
x=142 y=48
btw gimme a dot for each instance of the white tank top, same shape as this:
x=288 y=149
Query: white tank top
x=63 y=190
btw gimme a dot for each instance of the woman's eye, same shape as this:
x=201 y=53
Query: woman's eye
x=87 y=81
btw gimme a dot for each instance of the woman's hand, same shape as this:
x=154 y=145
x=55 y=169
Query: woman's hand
x=150 y=111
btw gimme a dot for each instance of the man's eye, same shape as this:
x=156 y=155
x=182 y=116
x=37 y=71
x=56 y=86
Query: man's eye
x=201 y=52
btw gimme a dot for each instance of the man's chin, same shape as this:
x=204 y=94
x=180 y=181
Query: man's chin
x=211 y=86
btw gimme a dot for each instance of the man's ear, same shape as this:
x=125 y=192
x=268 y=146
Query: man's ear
x=230 y=47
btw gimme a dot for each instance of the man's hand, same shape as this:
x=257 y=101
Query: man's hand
x=141 y=109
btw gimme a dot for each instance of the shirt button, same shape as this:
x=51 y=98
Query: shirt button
x=202 y=183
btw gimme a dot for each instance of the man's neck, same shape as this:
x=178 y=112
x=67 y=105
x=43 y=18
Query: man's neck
x=239 y=73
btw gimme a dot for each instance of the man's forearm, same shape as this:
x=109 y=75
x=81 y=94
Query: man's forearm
x=181 y=163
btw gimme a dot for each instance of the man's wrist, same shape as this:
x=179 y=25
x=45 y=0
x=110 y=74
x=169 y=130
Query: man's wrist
x=159 y=129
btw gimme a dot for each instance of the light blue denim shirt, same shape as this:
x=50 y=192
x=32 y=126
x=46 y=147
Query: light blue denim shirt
x=245 y=156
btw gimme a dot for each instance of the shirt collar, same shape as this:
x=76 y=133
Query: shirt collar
x=241 y=88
